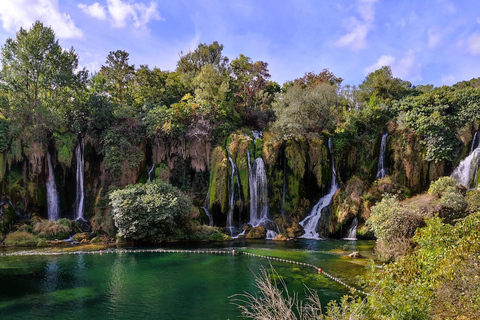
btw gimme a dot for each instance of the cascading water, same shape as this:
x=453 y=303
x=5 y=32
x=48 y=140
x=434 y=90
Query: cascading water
x=79 y=201
x=310 y=223
x=382 y=171
x=258 y=193
x=352 y=231
x=230 y=228
x=467 y=171
x=207 y=211
x=52 y=195
x=150 y=172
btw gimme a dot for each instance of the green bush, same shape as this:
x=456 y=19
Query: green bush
x=394 y=224
x=452 y=201
x=21 y=239
x=52 y=230
x=150 y=212
x=437 y=188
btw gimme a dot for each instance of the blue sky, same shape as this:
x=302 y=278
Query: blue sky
x=426 y=42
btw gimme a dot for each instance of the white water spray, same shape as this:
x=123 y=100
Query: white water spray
x=310 y=223
x=80 y=198
x=52 y=194
x=382 y=171
x=467 y=171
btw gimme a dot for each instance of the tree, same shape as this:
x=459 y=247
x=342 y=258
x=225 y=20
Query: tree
x=150 y=212
x=380 y=84
x=310 y=79
x=310 y=110
x=119 y=76
x=40 y=79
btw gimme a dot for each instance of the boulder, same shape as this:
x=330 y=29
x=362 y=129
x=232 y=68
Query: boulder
x=257 y=233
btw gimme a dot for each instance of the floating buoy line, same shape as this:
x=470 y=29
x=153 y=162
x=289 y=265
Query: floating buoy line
x=199 y=251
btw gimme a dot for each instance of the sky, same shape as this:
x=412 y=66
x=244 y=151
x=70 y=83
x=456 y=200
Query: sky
x=425 y=42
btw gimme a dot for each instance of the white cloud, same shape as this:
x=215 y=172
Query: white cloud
x=23 y=13
x=447 y=6
x=121 y=12
x=434 y=38
x=473 y=43
x=383 y=61
x=405 y=68
x=95 y=10
x=448 y=79
x=356 y=38
x=478 y=20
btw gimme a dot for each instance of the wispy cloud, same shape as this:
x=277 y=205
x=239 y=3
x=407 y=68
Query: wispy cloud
x=356 y=38
x=406 y=68
x=473 y=43
x=95 y=10
x=23 y=13
x=122 y=13
x=434 y=38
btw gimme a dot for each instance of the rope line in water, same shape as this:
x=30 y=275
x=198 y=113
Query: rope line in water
x=320 y=271
x=233 y=252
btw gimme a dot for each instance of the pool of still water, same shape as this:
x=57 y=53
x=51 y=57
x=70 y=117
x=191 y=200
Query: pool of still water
x=156 y=285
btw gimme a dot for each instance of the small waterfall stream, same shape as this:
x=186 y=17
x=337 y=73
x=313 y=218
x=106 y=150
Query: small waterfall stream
x=310 y=223
x=382 y=171
x=79 y=201
x=258 y=193
x=467 y=172
x=150 y=172
x=352 y=231
x=207 y=211
x=231 y=199
x=52 y=194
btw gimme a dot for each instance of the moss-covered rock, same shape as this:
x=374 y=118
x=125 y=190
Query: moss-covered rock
x=256 y=233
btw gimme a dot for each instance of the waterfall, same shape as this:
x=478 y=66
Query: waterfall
x=79 y=200
x=258 y=193
x=150 y=173
x=52 y=195
x=467 y=171
x=271 y=234
x=475 y=142
x=284 y=189
x=207 y=212
x=230 y=227
x=310 y=223
x=352 y=231
x=382 y=171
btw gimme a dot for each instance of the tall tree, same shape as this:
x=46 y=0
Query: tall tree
x=39 y=78
x=119 y=76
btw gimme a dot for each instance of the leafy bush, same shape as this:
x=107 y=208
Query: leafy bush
x=150 y=212
x=394 y=224
x=51 y=230
x=21 y=239
x=453 y=203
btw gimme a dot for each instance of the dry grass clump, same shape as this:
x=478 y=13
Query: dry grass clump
x=51 y=230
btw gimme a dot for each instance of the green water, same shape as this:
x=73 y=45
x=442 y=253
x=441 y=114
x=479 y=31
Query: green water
x=149 y=285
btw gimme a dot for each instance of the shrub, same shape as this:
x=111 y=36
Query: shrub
x=451 y=198
x=150 y=212
x=21 y=239
x=51 y=230
x=394 y=224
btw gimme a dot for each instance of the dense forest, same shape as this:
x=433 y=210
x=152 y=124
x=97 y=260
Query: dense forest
x=214 y=149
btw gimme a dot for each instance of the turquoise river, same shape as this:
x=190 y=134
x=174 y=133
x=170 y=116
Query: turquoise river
x=141 y=284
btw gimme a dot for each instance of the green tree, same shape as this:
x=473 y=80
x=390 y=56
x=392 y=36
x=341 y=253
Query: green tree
x=310 y=110
x=380 y=84
x=119 y=76
x=40 y=80
x=150 y=212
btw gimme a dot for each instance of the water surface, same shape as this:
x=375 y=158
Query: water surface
x=152 y=285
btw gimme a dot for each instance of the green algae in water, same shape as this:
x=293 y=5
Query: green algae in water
x=153 y=285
